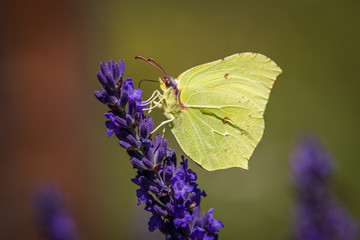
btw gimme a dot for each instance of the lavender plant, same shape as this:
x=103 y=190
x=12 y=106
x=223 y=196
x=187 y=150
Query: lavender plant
x=169 y=190
x=53 y=218
x=317 y=214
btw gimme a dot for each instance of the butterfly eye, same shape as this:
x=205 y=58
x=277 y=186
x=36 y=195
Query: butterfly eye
x=167 y=81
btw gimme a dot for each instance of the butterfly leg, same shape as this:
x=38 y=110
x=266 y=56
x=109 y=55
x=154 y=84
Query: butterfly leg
x=171 y=118
x=155 y=94
x=156 y=104
x=151 y=101
x=163 y=133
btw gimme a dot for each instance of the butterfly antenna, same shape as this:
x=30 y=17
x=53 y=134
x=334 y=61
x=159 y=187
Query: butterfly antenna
x=153 y=63
x=148 y=80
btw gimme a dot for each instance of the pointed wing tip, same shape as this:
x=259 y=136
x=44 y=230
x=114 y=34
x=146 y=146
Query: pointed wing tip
x=254 y=54
x=245 y=165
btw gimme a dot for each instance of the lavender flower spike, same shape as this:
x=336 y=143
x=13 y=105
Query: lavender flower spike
x=168 y=190
x=52 y=217
x=317 y=214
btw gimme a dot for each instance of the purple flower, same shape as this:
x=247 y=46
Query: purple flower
x=52 y=216
x=168 y=190
x=198 y=233
x=181 y=189
x=317 y=214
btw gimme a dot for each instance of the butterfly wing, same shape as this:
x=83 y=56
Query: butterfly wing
x=225 y=102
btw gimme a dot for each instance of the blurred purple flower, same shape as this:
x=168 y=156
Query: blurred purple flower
x=168 y=190
x=317 y=214
x=52 y=216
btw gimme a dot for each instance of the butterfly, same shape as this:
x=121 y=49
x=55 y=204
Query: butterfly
x=216 y=110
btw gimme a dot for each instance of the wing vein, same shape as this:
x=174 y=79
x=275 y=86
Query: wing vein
x=197 y=134
x=212 y=131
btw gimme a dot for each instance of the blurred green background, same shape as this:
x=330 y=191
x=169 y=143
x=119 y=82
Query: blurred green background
x=53 y=129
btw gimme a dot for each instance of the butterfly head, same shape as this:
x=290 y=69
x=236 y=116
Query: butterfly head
x=167 y=80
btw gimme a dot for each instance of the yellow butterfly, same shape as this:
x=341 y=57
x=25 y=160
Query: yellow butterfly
x=216 y=110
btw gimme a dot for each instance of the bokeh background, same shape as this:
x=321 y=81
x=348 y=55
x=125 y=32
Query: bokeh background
x=52 y=127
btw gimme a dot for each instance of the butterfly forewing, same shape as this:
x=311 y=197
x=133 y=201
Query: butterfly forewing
x=224 y=100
